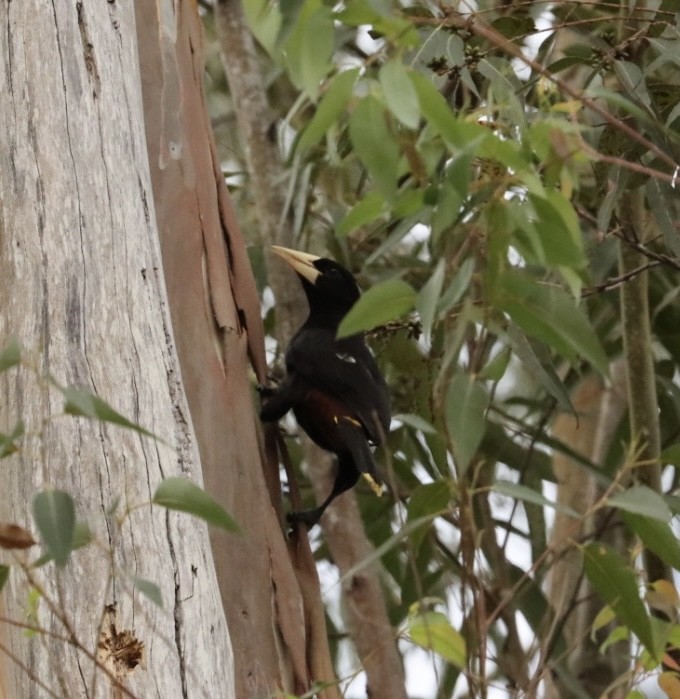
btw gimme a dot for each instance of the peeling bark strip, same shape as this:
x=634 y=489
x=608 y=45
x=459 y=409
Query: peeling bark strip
x=75 y=231
x=216 y=317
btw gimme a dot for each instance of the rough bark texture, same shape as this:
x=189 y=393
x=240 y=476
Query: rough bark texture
x=81 y=286
x=216 y=315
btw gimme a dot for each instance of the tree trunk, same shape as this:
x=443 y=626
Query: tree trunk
x=81 y=286
x=600 y=410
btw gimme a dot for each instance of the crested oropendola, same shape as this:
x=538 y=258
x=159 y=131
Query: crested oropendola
x=334 y=386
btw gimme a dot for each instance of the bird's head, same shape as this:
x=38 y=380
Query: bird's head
x=331 y=290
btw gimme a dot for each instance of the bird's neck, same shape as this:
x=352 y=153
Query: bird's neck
x=327 y=318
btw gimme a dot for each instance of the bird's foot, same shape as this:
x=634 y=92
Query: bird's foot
x=265 y=391
x=306 y=517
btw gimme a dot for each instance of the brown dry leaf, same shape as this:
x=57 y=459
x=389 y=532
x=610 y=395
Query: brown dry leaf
x=12 y=536
x=670 y=662
x=667 y=591
x=669 y=682
x=663 y=597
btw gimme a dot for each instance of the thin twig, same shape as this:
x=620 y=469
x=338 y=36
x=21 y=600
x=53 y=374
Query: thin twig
x=474 y=24
x=27 y=670
x=651 y=254
x=615 y=282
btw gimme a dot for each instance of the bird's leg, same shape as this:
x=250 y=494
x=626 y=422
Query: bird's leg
x=280 y=400
x=265 y=391
x=346 y=477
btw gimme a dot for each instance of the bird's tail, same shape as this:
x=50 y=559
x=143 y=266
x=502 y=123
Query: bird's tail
x=355 y=441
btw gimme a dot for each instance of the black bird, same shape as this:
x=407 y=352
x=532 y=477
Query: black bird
x=334 y=387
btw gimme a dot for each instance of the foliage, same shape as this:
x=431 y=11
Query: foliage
x=473 y=169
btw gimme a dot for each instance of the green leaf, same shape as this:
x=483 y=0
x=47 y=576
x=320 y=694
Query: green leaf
x=633 y=82
x=149 y=590
x=428 y=298
x=354 y=14
x=80 y=402
x=495 y=368
x=331 y=106
x=523 y=492
x=426 y=502
x=671 y=455
x=365 y=211
x=657 y=536
x=309 y=47
x=550 y=315
x=4 y=575
x=429 y=499
x=32 y=608
x=539 y=365
x=81 y=537
x=408 y=205
x=617 y=584
x=265 y=20
x=416 y=422
x=642 y=500
x=400 y=95
x=433 y=631
x=459 y=285
x=375 y=145
x=55 y=516
x=466 y=405
x=434 y=108
x=514 y=28
x=505 y=88
x=661 y=196
x=382 y=303
x=8 y=441
x=510 y=154
x=10 y=355
x=290 y=11
x=183 y=495
x=558 y=230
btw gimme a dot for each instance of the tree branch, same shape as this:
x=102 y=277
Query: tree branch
x=639 y=353
x=473 y=23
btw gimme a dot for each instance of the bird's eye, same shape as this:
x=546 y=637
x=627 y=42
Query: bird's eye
x=333 y=273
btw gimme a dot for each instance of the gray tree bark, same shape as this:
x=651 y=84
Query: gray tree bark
x=81 y=286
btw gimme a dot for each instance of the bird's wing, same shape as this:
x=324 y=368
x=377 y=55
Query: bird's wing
x=346 y=370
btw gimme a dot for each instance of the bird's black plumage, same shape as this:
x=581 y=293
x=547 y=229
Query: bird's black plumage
x=334 y=387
